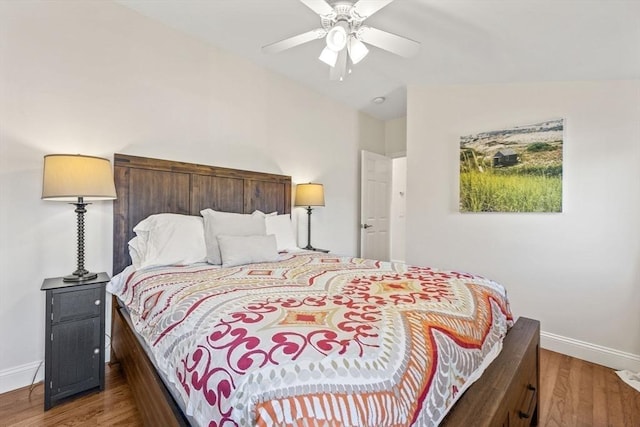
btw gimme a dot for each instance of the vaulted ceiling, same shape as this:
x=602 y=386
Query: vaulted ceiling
x=463 y=42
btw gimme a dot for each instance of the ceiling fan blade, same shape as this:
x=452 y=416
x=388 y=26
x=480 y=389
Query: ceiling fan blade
x=321 y=7
x=390 y=42
x=294 y=41
x=339 y=71
x=366 y=8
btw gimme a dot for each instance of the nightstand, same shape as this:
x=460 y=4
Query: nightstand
x=74 y=334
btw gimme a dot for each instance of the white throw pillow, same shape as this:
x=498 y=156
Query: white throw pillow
x=230 y=224
x=168 y=239
x=241 y=250
x=282 y=228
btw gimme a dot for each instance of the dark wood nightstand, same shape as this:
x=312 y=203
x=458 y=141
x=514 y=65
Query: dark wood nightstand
x=74 y=348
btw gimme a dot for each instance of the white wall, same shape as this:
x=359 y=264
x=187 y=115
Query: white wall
x=96 y=78
x=395 y=136
x=372 y=134
x=578 y=272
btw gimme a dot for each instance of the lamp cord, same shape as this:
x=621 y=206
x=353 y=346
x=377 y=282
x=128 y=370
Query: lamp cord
x=33 y=380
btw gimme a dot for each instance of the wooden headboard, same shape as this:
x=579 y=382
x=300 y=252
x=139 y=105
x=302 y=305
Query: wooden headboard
x=149 y=186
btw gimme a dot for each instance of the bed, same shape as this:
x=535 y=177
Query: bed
x=505 y=394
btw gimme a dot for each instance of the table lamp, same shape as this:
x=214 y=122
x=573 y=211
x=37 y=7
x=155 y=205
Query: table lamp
x=309 y=195
x=76 y=179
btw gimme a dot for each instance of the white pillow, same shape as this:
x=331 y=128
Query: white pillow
x=241 y=250
x=281 y=227
x=136 y=251
x=230 y=224
x=168 y=239
x=257 y=212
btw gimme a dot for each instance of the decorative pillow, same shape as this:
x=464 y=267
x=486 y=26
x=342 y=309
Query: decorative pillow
x=241 y=250
x=281 y=227
x=168 y=239
x=230 y=224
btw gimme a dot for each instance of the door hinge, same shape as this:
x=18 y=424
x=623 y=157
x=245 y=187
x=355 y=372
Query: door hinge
x=51 y=336
x=50 y=384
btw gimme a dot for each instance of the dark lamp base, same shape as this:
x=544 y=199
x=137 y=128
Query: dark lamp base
x=79 y=276
x=309 y=248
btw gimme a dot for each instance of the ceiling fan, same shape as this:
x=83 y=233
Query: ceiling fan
x=346 y=36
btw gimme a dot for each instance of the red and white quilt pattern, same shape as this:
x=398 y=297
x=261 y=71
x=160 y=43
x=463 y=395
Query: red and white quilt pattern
x=317 y=339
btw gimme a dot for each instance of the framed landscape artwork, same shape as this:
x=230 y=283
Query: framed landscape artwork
x=518 y=169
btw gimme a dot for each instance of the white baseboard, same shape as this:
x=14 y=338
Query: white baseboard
x=20 y=376
x=605 y=356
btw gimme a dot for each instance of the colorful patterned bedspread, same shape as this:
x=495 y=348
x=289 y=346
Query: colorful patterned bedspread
x=317 y=339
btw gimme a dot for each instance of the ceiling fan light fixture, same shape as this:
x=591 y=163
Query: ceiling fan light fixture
x=347 y=40
x=337 y=37
x=357 y=50
x=329 y=57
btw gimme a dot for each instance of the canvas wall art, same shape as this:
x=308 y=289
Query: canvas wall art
x=518 y=169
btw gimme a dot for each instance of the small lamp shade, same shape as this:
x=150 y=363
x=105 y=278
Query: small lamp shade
x=67 y=177
x=309 y=195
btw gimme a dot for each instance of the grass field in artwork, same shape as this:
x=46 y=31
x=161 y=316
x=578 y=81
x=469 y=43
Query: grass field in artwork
x=491 y=192
x=512 y=170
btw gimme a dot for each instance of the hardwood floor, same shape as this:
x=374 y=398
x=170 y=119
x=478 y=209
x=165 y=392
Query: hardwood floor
x=573 y=393
x=578 y=393
x=113 y=407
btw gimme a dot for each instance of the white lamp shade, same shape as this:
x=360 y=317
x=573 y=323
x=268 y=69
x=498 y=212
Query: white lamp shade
x=357 y=50
x=329 y=57
x=67 y=177
x=309 y=195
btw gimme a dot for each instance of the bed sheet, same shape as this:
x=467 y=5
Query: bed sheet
x=317 y=339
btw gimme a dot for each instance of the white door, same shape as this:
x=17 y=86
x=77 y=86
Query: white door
x=375 y=205
x=397 y=225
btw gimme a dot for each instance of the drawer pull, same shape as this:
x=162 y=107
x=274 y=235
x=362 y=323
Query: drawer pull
x=97 y=302
x=96 y=351
x=531 y=406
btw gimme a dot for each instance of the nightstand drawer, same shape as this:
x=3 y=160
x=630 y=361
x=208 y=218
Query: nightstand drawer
x=77 y=304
